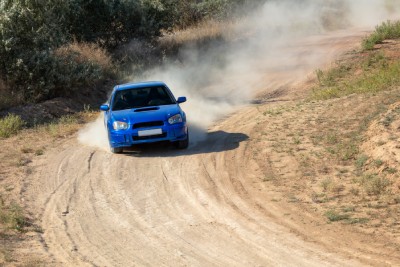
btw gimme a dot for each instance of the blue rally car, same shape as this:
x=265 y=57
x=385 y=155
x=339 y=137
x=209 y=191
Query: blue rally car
x=144 y=112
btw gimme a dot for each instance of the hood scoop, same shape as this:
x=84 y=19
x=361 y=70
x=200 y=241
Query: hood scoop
x=146 y=109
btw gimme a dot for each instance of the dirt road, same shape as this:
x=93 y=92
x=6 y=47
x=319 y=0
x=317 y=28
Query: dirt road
x=206 y=206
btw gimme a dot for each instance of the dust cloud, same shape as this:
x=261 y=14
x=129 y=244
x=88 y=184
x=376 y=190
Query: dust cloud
x=227 y=75
x=94 y=134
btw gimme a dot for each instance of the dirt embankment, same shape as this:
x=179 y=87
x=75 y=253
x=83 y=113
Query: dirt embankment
x=258 y=191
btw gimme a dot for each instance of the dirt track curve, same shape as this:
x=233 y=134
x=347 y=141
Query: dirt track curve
x=161 y=207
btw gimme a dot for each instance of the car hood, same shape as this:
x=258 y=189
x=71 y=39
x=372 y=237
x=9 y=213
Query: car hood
x=137 y=115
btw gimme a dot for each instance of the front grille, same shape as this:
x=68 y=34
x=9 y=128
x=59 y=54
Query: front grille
x=147 y=124
x=139 y=138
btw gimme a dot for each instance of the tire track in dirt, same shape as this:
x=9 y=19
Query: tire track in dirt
x=206 y=206
x=127 y=213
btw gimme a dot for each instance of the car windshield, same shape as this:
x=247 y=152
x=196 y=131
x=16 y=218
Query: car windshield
x=142 y=97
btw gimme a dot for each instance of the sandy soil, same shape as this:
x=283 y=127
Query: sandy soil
x=207 y=206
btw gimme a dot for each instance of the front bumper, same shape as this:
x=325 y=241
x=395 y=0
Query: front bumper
x=126 y=138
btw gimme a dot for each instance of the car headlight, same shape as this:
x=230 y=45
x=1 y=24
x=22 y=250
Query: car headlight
x=120 y=125
x=175 y=119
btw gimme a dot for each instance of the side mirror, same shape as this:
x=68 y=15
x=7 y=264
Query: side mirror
x=181 y=99
x=104 y=107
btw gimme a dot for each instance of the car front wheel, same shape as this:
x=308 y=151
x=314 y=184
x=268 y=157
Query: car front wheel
x=183 y=144
x=116 y=150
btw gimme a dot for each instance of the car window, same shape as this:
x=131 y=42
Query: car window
x=142 y=97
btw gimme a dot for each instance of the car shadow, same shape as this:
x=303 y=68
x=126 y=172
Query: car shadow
x=210 y=142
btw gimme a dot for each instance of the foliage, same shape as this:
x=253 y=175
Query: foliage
x=10 y=125
x=387 y=30
x=12 y=217
x=334 y=216
x=374 y=184
x=32 y=33
x=378 y=73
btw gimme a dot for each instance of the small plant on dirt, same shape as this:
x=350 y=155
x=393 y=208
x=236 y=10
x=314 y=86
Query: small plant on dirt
x=374 y=184
x=355 y=191
x=390 y=170
x=348 y=150
x=349 y=209
x=381 y=143
x=39 y=152
x=334 y=216
x=296 y=140
x=378 y=163
x=22 y=161
x=373 y=60
x=268 y=178
x=361 y=160
x=293 y=199
x=273 y=112
x=327 y=183
x=26 y=150
x=10 y=125
x=332 y=138
x=319 y=198
x=12 y=217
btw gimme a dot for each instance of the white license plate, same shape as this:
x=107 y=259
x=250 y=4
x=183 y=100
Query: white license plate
x=150 y=132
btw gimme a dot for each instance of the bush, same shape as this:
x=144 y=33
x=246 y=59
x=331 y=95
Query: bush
x=334 y=216
x=12 y=217
x=45 y=46
x=374 y=184
x=387 y=30
x=10 y=125
x=79 y=67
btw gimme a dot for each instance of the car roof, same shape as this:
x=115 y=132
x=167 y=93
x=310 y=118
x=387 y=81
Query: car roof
x=138 y=85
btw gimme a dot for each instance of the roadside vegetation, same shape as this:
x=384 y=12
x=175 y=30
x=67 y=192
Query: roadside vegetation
x=350 y=120
x=385 y=31
x=63 y=48
x=20 y=147
x=10 y=125
x=369 y=174
x=70 y=50
x=341 y=161
x=368 y=71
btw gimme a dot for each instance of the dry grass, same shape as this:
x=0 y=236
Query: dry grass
x=203 y=32
x=15 y=165
x=87 y=52
x=346 y=166
x=10 y=125
x=365 y=73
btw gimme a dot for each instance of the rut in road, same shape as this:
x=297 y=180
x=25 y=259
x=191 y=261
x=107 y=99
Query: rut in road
x=206 y=206
x=167 y=208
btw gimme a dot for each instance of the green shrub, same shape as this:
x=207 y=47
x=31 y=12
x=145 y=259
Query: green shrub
x=38 y=39
x=10 y=125
x=387 y=30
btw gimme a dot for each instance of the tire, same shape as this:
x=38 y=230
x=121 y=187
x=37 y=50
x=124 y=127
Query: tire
x=183 y=144
x=117 y=150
